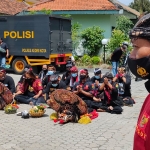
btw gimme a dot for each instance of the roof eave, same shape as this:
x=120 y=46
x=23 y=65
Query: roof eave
x=71 y=12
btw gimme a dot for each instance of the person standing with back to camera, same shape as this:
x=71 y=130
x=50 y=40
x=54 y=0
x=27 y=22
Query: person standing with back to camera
x=139 y=64
x=4 y=53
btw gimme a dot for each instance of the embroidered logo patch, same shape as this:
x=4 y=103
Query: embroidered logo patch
x=39 y=84
x=142 y=72
x=140 y=129
x=144 y=121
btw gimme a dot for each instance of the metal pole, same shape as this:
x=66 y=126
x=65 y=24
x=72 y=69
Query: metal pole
x=104 y=53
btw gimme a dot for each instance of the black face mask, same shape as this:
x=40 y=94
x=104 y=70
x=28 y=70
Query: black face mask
x=45 y=70
x=140 y=67
x=29 y=80
x=82 y=77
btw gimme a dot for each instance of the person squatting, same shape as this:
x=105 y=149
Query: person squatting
x=103 y=93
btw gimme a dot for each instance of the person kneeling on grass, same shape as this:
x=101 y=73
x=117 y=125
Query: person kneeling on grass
x=30 y=91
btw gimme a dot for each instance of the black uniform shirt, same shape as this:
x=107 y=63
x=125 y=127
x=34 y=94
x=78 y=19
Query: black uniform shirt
x=116 y=55
x=9 y=82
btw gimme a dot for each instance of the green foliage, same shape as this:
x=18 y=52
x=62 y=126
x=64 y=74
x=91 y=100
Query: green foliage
x=66 y=15
x=118 y=37
x=75 y=34
x=47 y=12
x=124 y=24
x=76 y=58
x=141 y=5
x=92 y=39
x=32 y=12
x=86 y=60
x=95 y=60
x=75 y=30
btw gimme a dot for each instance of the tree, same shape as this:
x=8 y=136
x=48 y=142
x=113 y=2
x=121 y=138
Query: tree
x=124 y=24
x=92 y=39
x=75 y=30
x=141 y=5
x=117 y=38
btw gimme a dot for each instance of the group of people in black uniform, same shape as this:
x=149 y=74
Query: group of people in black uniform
x=103 y=93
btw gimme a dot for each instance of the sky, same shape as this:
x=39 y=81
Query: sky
x=126 y=2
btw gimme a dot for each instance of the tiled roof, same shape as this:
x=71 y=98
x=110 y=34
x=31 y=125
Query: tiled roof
x=57 y=5
x=127 y=8
x=11 y=7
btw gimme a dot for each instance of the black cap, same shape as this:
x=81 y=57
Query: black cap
x=108 y=75
x=54 y=77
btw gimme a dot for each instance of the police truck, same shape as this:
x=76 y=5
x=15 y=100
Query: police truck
x=36 y=40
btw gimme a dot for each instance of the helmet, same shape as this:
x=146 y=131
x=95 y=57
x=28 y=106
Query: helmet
x=53 y=78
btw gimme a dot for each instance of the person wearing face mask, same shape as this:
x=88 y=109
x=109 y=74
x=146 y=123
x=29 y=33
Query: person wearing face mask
x=124 y=86
x=30 y=91
x=43 y=73
x=82 y=88
x=54 y=84
x=139 y=64
x=116 y=55
x=97 y=76
x=46 y=79
x=111 y=102
x=87 y=75
x=27 y=67
x=7 y=80
x=73 y=78
x=67 y=73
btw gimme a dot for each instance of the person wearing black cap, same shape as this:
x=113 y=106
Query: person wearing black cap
x=111 y=102
x=97 y=76
x=54 y=84
x=4 y=53
x=8 y=81
x=67 y=73
x=116 y=55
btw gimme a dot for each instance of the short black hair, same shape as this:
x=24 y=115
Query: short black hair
x=27 y=66
x=108 y=75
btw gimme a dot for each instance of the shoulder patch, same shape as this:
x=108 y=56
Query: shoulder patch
x=141 y=126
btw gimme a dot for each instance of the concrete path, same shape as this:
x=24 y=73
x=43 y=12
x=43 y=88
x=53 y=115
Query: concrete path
x=107 y=132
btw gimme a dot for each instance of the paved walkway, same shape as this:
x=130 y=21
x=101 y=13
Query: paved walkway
x=107 y=132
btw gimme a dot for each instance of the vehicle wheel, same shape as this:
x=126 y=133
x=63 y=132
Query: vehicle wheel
x=18 y=65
